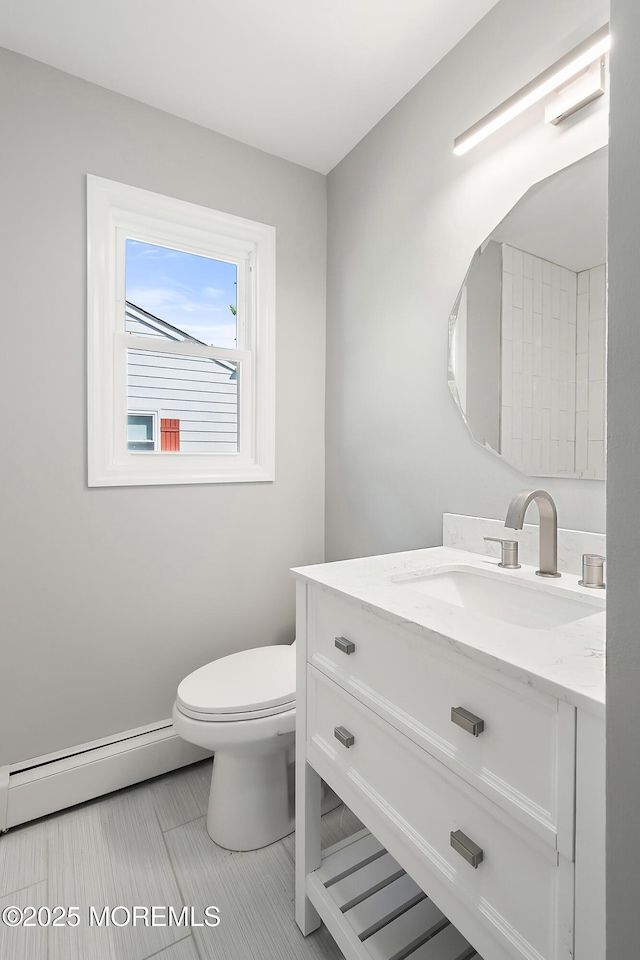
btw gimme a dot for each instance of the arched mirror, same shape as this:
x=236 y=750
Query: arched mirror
x=527 y=335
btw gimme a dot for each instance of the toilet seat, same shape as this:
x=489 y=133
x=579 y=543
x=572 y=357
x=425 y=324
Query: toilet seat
x=242 y=686
x=228 y=717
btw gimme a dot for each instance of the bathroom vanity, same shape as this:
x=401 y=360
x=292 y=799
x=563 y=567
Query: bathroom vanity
x=458 y=710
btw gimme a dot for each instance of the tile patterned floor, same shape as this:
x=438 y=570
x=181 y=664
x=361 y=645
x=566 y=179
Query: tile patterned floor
x=148 y=845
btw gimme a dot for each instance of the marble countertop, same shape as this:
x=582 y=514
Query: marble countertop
x=567 y=662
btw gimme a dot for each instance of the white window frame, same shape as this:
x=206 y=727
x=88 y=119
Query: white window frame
x=116 y=212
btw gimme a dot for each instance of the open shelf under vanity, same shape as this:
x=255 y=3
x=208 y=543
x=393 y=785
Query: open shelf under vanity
x=375 y=911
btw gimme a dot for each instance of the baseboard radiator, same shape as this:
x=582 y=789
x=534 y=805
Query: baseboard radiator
x=36 y=788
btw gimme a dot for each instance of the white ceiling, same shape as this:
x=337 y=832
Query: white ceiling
x=302 y=80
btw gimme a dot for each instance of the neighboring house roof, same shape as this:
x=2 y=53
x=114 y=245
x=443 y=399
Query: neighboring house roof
x=158 y=326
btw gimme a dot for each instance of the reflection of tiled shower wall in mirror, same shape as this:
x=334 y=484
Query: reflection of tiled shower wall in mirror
x=553 y=367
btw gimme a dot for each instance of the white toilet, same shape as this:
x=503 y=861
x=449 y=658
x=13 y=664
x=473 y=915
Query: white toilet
x=242 y=707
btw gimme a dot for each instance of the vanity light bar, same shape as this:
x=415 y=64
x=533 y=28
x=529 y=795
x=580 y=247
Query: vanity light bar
x=577 y=94
x=547 y=82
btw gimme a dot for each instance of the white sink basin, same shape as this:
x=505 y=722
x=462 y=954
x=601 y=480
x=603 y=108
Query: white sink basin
x=501 y=597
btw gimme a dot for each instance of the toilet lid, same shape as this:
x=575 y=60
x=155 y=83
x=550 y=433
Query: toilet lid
x=244 y=682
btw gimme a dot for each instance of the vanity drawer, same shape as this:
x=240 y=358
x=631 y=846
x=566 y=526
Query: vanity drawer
x=521 y=745
x=515 y=888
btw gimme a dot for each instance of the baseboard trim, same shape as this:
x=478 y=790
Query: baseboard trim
x=4 y=795
x=63 y=779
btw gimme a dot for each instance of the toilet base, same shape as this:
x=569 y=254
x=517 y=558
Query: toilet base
x=251 y=796
x=249 y=800
x=328 y=800
x=248 y=821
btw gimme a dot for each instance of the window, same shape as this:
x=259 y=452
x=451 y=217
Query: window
x=181 y=338
x=141 y=431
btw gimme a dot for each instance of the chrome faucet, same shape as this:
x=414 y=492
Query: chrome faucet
x=548 y=560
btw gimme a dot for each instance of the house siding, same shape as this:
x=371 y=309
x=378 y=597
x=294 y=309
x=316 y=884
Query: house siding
x=200 y=393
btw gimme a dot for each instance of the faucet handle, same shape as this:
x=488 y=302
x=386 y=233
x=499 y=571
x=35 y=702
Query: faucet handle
x=593 y=571
x=509 y=559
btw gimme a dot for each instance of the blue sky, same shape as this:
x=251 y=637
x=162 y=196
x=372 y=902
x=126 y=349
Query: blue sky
x=191 y=292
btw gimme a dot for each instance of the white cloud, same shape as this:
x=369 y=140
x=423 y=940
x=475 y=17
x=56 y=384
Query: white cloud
x=152 y=253
x=158 y=298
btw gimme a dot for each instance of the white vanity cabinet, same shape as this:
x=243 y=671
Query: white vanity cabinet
x=465 y=777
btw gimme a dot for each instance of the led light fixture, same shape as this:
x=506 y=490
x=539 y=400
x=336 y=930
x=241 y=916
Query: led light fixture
x=576 y=94
x=551 y=80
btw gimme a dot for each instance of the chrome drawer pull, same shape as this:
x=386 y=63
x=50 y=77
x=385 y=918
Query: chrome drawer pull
x=468 y=721
x=343 y=735
x=471 y=852
x=347 y=646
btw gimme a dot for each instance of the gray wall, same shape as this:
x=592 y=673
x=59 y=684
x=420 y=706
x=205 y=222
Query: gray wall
x=111 y=596
x=484 y=372
x=623 y=491
x=405 y=216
